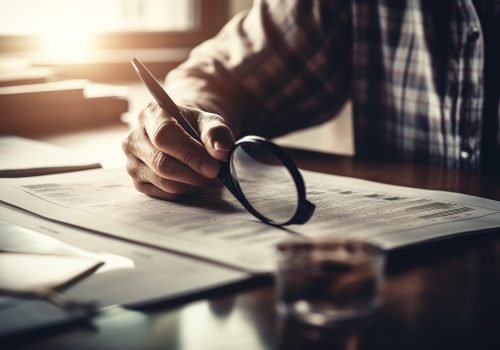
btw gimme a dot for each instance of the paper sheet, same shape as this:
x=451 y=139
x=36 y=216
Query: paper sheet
x=25 y=157
x=215 y=227
x=393 y=216
x=132 y=275
x=20 y=272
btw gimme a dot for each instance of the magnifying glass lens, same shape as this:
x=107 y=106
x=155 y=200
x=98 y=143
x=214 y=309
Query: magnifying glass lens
x=265 y=181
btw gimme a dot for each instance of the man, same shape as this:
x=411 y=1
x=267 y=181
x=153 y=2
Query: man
x=423 y=77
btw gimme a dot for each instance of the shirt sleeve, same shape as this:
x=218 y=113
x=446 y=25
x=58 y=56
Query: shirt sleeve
x=281 y=66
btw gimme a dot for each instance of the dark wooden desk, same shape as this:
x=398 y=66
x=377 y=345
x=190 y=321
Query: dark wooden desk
x=444 y=295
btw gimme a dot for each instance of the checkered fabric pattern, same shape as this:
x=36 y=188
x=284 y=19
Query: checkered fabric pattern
x=412 y=68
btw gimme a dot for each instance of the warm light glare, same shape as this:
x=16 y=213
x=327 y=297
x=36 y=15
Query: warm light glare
x=67 y=45
x=28 y=17
x=66 y=27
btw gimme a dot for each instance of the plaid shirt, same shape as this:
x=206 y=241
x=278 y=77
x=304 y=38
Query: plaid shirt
x=413 y=69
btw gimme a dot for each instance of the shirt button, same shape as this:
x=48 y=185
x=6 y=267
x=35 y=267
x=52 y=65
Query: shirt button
x=464 y=155
x=474 y=33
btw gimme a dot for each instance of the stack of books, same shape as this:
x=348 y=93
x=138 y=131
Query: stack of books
x=40 y=106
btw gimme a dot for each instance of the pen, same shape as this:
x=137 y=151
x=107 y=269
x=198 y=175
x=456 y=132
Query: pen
x=161 y=96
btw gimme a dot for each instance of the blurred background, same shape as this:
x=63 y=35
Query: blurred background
x=85 y=47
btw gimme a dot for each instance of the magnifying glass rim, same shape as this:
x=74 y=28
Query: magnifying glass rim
x=290 y=166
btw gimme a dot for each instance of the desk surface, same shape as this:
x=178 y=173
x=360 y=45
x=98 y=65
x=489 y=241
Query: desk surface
x=443 y=295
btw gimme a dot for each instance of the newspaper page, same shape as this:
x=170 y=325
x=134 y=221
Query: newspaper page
x=214 y=226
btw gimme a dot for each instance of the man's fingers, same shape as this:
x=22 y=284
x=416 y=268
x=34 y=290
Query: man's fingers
x=138 y=145
x=216 y=135
x=142 y=174
x=165 y=161
x=169 y=137
x=153 y=191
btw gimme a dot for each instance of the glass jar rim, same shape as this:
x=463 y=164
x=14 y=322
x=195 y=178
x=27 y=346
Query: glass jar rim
x=349 y=251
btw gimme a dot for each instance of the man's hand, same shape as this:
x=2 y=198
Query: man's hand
x=165 y=161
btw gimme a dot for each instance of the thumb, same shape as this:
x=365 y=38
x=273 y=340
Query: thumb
x=215 y=135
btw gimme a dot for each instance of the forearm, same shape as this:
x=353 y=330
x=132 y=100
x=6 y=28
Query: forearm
x=266 y=73
x=202 y=94
x=207 y=81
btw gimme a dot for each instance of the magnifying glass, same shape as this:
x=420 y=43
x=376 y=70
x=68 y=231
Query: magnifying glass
x=266 y=182
x=258 y=173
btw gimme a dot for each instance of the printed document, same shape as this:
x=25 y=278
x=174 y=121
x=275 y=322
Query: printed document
x=214 y=226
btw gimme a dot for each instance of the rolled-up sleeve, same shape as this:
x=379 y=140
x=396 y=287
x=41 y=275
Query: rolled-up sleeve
x=281 y=66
